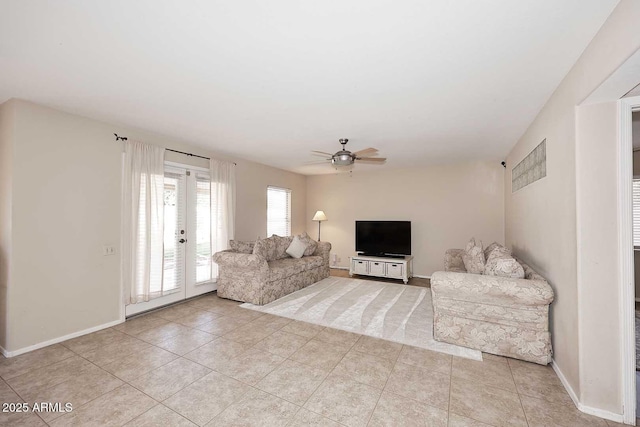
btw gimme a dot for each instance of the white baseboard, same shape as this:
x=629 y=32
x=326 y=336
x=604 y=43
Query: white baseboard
x=337 y=267
x=601 y=413
x=58 y=340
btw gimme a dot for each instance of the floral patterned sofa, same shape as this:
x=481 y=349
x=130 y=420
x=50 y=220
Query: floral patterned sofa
x=263 y=272
x=498 y=315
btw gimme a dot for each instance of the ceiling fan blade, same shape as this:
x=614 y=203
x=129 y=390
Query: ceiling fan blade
x=377 y=160
x=366 y=152
x=317 y=162
x=321 y=153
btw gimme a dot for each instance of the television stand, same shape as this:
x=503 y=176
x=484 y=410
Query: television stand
x=392 y=268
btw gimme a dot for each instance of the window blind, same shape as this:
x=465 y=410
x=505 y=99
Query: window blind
x=278 y=211
x=636 y=212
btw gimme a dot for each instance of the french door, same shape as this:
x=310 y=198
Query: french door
x=188 y=270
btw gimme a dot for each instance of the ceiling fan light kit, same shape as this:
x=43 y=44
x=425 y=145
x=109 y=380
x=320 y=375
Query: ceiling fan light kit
x=342 y=160
x=345 y=158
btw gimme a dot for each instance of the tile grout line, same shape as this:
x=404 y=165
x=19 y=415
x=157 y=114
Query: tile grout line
x=325 y=378
x=526 y=419
x=227 y=376
x=179 y=357
x=395 y=363
x=212 y=370
x=428 y=370
x=113 y=375
x=475 y=419
x=43 y=366
x=160 y=402
x=148 y=372
x=127 y=382
x=100 y=368
x=25 y=400
x=54 y=385
x=182 y=357
x=215 y=337
x=73 y=352
x=123 y=381
x=89 y=401
x=141 y=414
x=382 y=390
x=280 y=364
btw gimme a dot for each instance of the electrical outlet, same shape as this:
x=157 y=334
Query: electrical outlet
x=108 y=250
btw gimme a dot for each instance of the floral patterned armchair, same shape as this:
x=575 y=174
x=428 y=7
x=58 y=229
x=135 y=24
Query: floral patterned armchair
x=498 y=315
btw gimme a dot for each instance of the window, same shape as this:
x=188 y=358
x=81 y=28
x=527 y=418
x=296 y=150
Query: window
x=636 y=213
x=278 y=211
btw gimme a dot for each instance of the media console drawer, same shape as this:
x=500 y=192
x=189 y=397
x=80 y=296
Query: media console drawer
x=360 y=266
x=377 y=268
x=393 y=268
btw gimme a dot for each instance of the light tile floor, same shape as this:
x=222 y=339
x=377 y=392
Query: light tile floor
x=210 y=362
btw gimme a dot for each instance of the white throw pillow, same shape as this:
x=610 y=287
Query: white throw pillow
x=296 y=248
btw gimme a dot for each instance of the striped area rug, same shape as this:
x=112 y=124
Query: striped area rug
x=394 y=312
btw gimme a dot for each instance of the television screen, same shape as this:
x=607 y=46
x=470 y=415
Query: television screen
x=383 y=237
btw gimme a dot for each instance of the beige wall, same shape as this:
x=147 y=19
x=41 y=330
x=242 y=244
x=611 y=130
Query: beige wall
x=7 y=124
x=597 y=256
x=446 y=204
x=66 y=206
x=541 y=219
x=253 y=180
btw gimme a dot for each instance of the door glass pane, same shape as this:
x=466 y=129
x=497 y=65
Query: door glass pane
x=173 y=225
x=203 y=229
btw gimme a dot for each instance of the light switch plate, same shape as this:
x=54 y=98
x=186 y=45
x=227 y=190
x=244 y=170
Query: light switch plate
x=108 y=250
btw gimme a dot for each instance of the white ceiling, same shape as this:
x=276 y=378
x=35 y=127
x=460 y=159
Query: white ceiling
x=422 y=81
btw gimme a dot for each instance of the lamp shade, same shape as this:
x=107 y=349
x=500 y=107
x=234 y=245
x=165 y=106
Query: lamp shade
x=319 y=216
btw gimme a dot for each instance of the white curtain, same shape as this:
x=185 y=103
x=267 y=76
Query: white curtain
x=143 y=221
x=223 y=207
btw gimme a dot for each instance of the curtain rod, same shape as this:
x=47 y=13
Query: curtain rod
x=124 y=138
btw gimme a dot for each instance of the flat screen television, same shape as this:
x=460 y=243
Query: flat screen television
x=383 y=238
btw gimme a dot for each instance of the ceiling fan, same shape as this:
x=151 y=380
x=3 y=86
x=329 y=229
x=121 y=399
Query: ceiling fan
x=347 y=158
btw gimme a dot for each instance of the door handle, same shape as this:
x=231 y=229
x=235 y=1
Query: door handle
x=182 y=240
